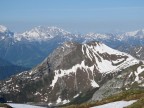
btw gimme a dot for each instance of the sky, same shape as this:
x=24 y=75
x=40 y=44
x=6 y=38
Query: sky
x=81 y=16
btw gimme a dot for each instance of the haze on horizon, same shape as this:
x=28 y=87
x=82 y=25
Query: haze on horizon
x=75 y=16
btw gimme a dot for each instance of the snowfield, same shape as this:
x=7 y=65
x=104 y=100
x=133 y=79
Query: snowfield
x=23 y=105
x=118 y=104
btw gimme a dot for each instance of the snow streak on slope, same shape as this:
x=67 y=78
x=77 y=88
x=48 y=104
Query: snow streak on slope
x=60 y=73
x=140 y=69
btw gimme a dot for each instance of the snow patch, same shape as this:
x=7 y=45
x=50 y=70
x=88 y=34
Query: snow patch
x=17 y=86
x=37 y=93
x=67 y=45
x=76 y=95
x=118 y=104
x=58 y=100
x=49 y=104
x=142 y=85
x=118 y=60
x=14 y=105
x=139 y=50
x=130 y=74
x=94 y=84
x=139 y=71
x=65 y=101
x=9 y=80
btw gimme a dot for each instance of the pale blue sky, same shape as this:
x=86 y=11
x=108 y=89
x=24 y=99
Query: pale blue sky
x=73 y=15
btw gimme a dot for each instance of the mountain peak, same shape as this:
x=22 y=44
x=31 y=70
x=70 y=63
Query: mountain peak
x=135 y=33
x=3 y=28
x=43 y=33
x=140 y=32
x=5 y=32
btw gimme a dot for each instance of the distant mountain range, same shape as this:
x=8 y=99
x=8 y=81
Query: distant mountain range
x=76 y=73
x=28 y=49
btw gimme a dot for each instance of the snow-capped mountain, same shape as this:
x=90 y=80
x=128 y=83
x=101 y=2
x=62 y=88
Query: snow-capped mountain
x=31 y=47
x=3 y=28
x=41 y=34
x=132 y=43
x=133 y=38
x=71 y=71
x=129 y=42
x=93 y=36
x=134 y=34
x=5 y=32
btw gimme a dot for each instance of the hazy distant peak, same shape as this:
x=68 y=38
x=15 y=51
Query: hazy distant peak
x=43 y=33
x=134 y=33
x=3 y=28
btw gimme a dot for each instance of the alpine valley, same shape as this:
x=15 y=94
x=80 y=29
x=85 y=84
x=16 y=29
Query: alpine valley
x=71 y=68
x=8 y=69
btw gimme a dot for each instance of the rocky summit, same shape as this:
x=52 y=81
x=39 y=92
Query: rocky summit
x=76 y=71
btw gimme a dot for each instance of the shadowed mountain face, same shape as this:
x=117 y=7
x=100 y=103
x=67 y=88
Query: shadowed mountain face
x=7 y=69
x=72 y=71
x=4 y=62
